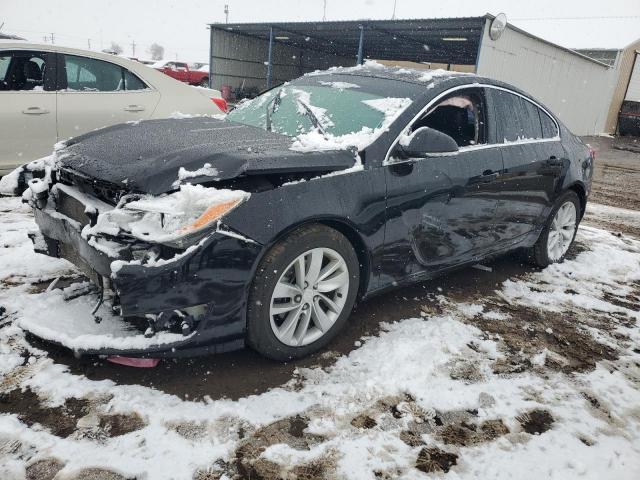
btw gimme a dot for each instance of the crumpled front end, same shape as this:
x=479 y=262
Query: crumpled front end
x=194 y=285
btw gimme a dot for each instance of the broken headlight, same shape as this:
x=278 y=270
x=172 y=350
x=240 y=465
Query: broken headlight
x=176 y=219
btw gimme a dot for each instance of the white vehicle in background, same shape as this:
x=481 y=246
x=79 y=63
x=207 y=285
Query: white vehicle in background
x=50 y=93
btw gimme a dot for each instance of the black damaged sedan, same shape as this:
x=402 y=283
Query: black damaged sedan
x=266 y=227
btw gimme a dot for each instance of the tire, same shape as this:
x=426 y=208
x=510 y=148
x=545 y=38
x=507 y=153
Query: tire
x=266 y=329
x=541 y=251
x=204 y=83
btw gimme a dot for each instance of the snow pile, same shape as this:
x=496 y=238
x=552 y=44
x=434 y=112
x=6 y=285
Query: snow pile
x=205 y=171
x=70 y=323
x=429 y=75
x=316 y=141
x=614 y=217
x=18 y=262
x=413 y=74
x=181 y=116
x=9 y=183
x=605 y=270
x=42 y=167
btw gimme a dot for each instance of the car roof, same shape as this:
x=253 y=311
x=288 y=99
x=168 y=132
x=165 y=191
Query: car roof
x=414 y=76
x=372 y=69
x=47 y=47
x=389 y=80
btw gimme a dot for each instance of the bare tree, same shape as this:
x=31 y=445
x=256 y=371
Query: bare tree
x=156 y=51
x=115 y=48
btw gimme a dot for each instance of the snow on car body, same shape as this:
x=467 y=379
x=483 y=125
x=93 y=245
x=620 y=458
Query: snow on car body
x=267 y=226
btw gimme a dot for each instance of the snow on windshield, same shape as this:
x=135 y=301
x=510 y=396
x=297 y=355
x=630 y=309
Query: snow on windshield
x=315 y=140
x=339 y=85
x=304 y=101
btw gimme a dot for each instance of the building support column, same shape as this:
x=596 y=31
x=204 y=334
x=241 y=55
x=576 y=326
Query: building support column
x=361 y=45
x=210 y=56
x=269 y=66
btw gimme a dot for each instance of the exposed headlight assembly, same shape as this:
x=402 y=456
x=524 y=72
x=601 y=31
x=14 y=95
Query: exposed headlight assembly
x=176 y=219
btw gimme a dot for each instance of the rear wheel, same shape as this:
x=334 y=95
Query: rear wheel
x=303 y=293
x=559 y=232
x=204 y=82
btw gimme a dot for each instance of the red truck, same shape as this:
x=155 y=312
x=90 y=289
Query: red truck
x=180 y=71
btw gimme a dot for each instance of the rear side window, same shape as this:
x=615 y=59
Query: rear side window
x=531 y=120
x=549 y=129
x=132 y=82
x=91 y=75
x=509 y=116
x=519 y=119
x=22 y=70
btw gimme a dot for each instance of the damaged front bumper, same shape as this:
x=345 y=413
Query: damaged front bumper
x=201 y=289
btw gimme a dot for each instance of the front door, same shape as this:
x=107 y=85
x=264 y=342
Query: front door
x=27 y=107
x=441 y=209
x=96 y=94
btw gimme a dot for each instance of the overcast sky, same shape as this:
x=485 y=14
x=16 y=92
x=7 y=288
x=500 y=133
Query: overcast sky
x=180 y=25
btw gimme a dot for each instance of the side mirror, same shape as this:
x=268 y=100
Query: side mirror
x=426 y=142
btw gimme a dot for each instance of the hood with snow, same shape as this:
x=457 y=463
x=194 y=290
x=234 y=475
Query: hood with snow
x=153 y=156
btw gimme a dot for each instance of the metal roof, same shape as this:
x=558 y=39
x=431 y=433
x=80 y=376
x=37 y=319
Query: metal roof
x=436 y=40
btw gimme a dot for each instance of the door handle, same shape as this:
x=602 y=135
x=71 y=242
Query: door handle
x=554 y=161
x=401 y=169
x=488 y=176
x=35 y=111
x=134 y=108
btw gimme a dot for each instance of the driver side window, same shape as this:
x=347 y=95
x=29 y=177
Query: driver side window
x=22 y=70
x=460 y=115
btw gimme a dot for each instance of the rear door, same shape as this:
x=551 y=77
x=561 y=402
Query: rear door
x=534 y=161
x=27 y=107
x=441 y=209
x=96 y=93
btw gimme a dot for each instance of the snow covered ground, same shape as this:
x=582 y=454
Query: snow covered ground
x=540 y=379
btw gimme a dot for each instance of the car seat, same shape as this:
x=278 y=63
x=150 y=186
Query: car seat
x=33 y=75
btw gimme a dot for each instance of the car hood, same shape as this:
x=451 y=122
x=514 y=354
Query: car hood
x=149 y=156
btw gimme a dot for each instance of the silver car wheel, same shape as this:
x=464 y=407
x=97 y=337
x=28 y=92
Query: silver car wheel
x=309 y=297
x=561 y=231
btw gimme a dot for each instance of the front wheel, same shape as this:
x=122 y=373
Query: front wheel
x=559 y=232
x=204 y=82
x=303 y=293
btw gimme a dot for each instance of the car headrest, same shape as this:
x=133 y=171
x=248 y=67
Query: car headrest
x=32 y=71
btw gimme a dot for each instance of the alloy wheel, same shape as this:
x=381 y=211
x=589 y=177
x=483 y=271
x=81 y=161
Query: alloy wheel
x=309 y=297
x=561 y=231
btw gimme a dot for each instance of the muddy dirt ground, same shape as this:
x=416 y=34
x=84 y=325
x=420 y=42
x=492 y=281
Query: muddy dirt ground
x=616 y=180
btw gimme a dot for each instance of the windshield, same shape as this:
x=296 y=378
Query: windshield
x=336 y=112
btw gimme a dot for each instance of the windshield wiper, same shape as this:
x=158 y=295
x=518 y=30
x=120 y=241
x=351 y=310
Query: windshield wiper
x=275 y=102
x=312 y=116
